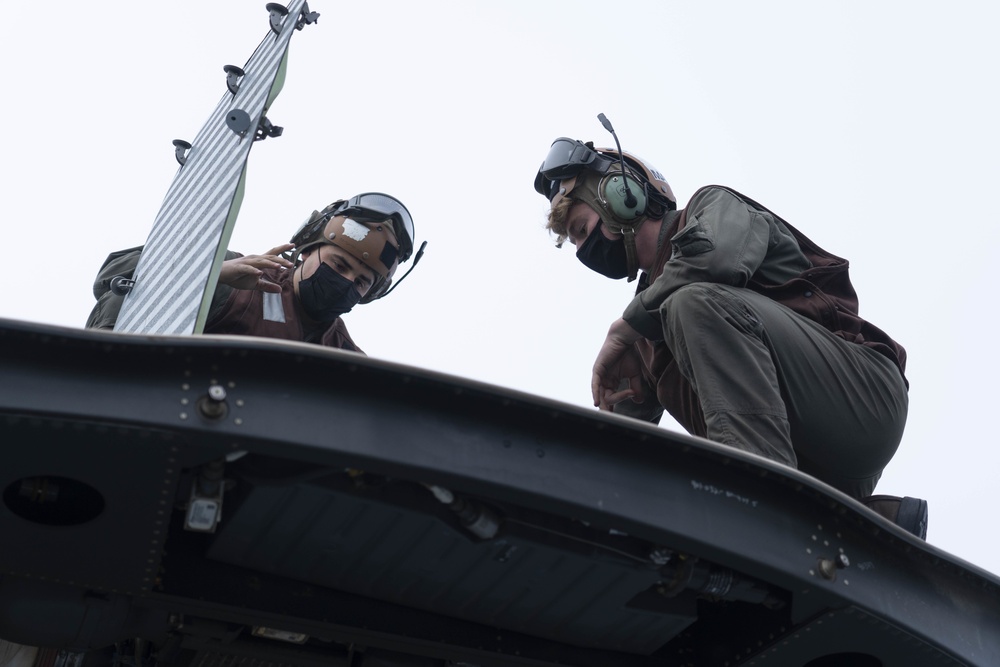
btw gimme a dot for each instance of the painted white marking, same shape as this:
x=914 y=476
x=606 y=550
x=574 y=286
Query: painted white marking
x=355 y=230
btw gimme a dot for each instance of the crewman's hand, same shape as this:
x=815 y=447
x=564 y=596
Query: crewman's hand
x=618 y=360
x=246 y=272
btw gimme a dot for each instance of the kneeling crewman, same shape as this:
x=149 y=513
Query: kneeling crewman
x=343 y=255
x=744 y=330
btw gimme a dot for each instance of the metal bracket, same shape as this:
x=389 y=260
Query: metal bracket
x=204 y=508
x=238 y=121
x=181 y=148
x=278 y=12
x=120 y=285
x=265 y=129
x=233 y=76
x=306 y=17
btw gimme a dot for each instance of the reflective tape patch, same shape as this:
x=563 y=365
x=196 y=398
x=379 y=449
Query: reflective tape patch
x=274 y=310
x=355 y=230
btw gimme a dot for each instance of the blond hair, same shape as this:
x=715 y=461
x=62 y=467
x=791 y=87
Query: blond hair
x=558 y=215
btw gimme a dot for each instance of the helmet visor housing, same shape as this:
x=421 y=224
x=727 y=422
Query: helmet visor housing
x=378 y=207
x=566 y=158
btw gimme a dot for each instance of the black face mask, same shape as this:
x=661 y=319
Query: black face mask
x=601 y=254
x=326 y=295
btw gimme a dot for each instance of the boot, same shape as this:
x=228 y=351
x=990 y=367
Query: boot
x=908 y=513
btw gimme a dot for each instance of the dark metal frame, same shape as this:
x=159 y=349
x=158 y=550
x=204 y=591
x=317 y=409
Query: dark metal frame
x=120 y=413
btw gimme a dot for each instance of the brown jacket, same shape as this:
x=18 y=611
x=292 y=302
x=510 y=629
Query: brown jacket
x=240 y=312
x=253 y=313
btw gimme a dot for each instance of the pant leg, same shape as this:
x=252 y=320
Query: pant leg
x=777 y=384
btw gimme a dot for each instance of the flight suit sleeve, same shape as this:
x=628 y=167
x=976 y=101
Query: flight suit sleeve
x=724 y=241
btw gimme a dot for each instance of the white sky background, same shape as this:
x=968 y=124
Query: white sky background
x=871 y=126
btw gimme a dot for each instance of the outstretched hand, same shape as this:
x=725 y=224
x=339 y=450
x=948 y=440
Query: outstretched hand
x=618 y=360
x=247 y=272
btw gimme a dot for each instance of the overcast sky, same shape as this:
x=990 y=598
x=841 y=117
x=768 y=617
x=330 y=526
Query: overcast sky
x=870 y=126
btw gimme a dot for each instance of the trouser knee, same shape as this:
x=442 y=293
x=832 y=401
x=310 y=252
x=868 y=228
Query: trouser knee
x=718 y=343
x=688 y=299
x=708 y=309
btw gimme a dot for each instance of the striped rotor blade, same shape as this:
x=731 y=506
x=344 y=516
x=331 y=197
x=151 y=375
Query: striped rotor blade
x=179 y=267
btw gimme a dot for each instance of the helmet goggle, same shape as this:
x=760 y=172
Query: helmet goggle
x=566 y=158
x=377 y=207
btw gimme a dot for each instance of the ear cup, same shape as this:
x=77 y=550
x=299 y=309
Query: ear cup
x=612 y=193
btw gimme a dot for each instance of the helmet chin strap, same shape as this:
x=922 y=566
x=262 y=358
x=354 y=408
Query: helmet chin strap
x=628 y=235
x=584 y=188
x=630 y=252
